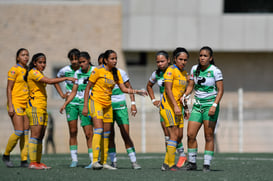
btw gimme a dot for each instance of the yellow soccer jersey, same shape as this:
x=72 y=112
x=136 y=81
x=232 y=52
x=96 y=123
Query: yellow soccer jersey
x=37 y=90
x=104 y=84
x=179 y=83
x=20 y=90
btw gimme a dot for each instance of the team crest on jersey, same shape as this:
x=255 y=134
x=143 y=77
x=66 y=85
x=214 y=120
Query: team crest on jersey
x=93 y=72
x=12 y=72
x=209 y=74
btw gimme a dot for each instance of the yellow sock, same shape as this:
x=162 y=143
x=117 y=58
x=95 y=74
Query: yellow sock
x=39 y=150
x=104 y=149
x=24 y=145
x=171 y=148
x=13 y=139
x=96 y=144
x=32 y=149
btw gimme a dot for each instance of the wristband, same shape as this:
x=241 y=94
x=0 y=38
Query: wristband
x=214 y=104
x=133 y=103
x=153 y=100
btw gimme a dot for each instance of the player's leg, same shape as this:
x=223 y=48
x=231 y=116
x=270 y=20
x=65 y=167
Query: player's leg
x=24 y=143
x=112 y=146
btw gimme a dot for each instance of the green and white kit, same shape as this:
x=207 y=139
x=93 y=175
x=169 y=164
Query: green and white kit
x=205 y=93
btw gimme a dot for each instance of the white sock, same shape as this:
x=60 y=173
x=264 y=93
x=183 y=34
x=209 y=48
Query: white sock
x=74 y=155
x=91 y=156
x=207 y=159
x=113 y=156
x=132 y=156
x=192 y=157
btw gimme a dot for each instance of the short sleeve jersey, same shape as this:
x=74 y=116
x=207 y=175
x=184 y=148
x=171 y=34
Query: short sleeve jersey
x=179 y=82
x=81 y=81
x=118 y=97
x=37 y=90
x=205 y=83
x=103 y=85
x=67 y=71
x=20 y=89
x=159 y=79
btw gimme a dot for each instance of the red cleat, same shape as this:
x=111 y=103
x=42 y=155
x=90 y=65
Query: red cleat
x=181 y=161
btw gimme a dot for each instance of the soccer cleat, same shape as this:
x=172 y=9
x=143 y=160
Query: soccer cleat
x=73 y=164
x=24 y=164
x=181 y=161
x=114 y=164
x=35 y=165
x=174 y=168
x=97 y=166
x=108 y=167
x=44 y=166
x=164 y=167
x=89 y=166
x=135 y=166
x=190 y=166
x=6 y=160
x=206 y=168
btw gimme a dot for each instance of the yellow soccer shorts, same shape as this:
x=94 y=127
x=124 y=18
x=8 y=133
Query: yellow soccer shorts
x=19 y=108
x=170 y=119
x=100 y=111
x=37 y=116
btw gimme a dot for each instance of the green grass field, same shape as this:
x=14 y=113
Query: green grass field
x=231 y=166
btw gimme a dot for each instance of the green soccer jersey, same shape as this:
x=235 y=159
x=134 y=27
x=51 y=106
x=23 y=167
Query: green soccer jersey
x=159 y=79
x=82 y=80
x=205 y=83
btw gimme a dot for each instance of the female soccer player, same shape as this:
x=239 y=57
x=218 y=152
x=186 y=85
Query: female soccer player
x=121 y=117
x=37 y=107
x=17 y=94
x=207 y=81
x=171 y=110
x=103 y=80
x=77 y=94
x=162 y=61
x=72 y=109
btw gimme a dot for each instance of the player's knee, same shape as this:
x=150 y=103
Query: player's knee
x=98 y=131
x=18 y=132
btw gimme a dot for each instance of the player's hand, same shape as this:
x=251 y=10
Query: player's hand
x=133 y=110
x=177 y=111
x=186 y=114
x=142 y=92
x=184 y=99
x=212 y=111
x=71 y=79
x=11 y=111
x=62 y=109
x=156 y=103
x=85 y=111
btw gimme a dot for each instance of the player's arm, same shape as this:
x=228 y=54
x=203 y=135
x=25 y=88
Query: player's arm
x=168 y=90
x=86 y=96
x=70 y=97
x=132 y=91
x=56 y=80
x=10 y=85
x=220 y=89
x=150 y=90
x=132 y=97
x=59 y=90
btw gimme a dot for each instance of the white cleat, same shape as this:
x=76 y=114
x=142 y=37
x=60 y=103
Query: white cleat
x=108 y=167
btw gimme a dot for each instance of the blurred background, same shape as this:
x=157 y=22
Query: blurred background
x=239 y=31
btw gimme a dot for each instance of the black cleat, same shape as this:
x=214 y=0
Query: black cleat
x=165 y=167
x=189 y=166
x=206 y=168
x=6 y=160
x=24 y=164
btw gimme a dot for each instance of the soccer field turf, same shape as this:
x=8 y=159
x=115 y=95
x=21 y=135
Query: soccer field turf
x=225 y=167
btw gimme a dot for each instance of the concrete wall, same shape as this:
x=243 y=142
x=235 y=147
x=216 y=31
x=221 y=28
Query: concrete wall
x=157 y=24
x=54 y=29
